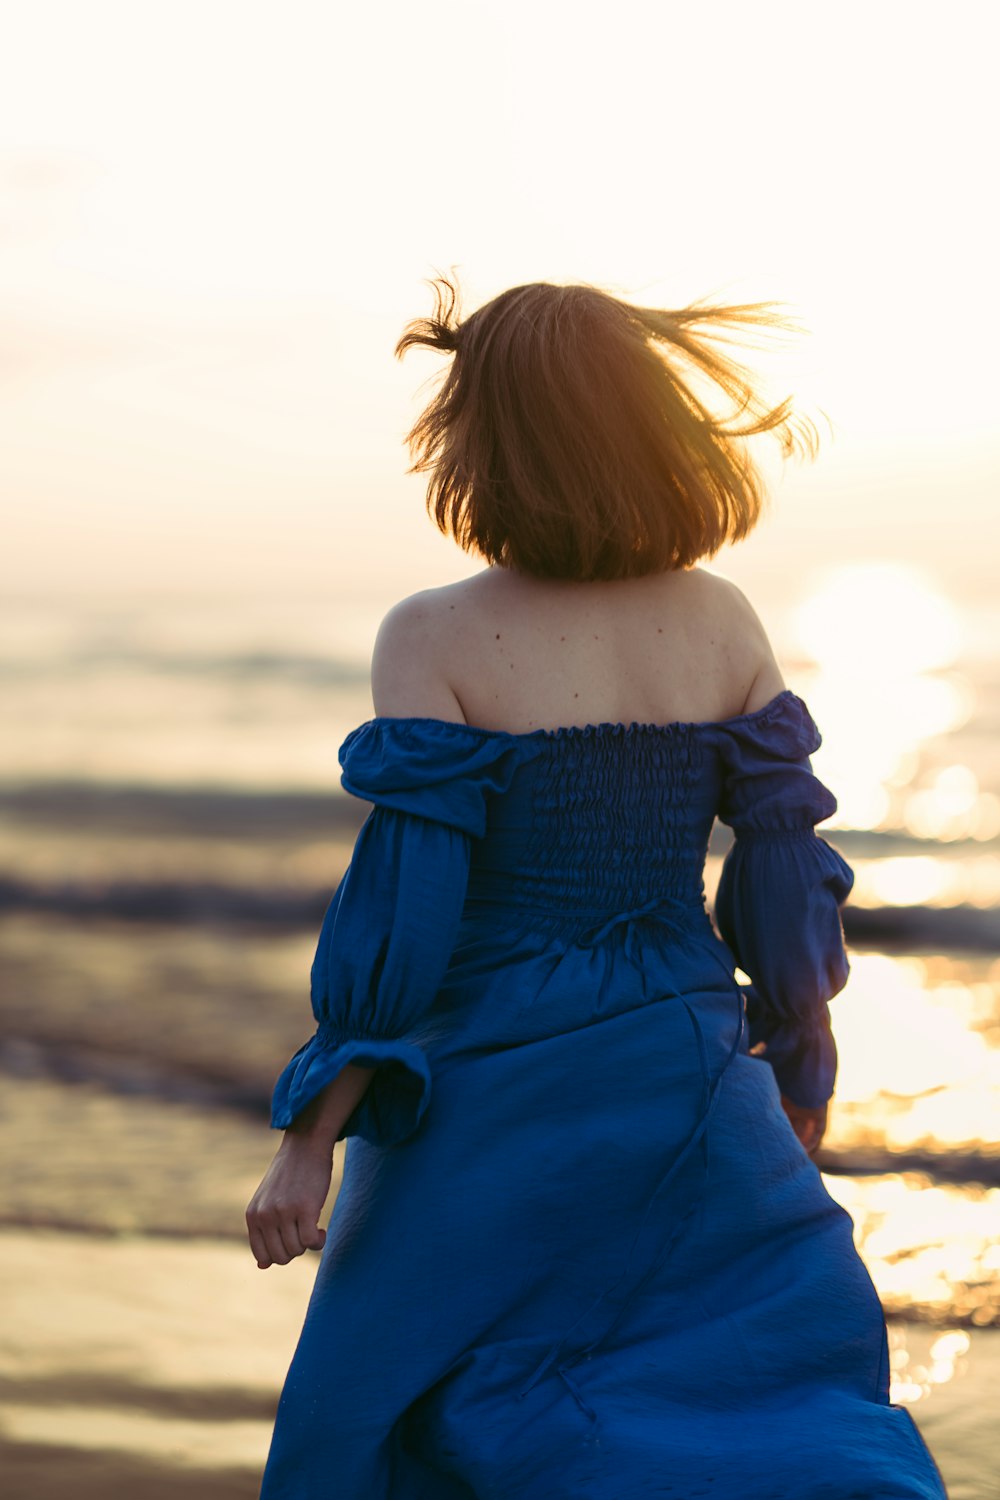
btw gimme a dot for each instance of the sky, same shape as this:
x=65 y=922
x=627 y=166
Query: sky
x=215 y=219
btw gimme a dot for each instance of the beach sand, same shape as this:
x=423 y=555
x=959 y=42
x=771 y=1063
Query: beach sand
x=152 y=1367
x=140 y=1366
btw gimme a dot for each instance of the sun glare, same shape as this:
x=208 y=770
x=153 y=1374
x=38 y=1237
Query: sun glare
x=884 y=640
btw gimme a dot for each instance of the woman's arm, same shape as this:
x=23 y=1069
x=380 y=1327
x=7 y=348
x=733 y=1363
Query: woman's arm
x=283 y=1215
x=778 y=901
x=320 y=1123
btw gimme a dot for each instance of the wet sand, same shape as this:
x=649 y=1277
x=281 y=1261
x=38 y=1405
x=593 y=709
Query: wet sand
x=140 y=1367
x=152 y=1368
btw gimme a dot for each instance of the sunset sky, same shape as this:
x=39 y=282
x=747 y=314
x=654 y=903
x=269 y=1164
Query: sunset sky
x=215 y=219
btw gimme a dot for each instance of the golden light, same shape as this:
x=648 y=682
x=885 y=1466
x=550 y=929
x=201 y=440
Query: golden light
x=951 y=806
x=879 y=619
x=948 y=1345
x=880 y=635
x=897 y=1043
x=908 y=880
x=927 y=880
x=926 y=1247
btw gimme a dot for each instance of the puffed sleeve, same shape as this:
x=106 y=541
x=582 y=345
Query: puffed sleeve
x=780 y=892
x=390 y=928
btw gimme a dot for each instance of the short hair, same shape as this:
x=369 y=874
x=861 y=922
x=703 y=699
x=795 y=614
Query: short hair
x=565 y=441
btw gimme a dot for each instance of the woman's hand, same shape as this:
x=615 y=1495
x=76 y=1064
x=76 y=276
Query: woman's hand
x=809 y=1124
x=283 y=1214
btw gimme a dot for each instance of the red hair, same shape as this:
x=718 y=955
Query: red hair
x=565 y=441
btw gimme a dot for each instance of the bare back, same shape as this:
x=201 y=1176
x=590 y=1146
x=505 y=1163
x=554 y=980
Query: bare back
x=506 y=651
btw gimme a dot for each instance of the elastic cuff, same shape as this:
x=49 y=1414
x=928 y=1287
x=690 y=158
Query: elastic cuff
x=394 y=1102
x=803 y=1057
x=801 y=1050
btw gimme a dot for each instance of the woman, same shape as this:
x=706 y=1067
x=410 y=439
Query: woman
x=581 y=1247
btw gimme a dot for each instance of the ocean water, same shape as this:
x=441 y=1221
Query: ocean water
x=172 y=826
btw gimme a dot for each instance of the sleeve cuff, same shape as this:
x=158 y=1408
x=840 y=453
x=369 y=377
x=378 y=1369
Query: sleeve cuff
x=802 y=1052
x=394 y=1102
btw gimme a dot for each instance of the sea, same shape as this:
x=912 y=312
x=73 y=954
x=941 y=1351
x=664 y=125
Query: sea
x=172 y=827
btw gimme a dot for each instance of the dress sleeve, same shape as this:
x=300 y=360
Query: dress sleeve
x=780 y=893
x=390 y=929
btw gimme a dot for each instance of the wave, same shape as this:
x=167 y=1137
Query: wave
x=140 y=811
x=895 y=928
x=203 y=854
x=238 y=666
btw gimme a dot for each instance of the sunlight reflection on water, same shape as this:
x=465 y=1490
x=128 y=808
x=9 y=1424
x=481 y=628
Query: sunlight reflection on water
x=918 y=1039
x=919 y=1054
x=884 y=642
x=911 y=1380
x=965 y=879
x=931 y=1250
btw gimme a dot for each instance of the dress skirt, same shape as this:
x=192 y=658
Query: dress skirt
x=578 y=1252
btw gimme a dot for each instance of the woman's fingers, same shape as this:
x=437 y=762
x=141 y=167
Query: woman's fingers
x=277 y=1255
x=311 y=1237
x=258 y=1248
x=280 y=1235
x=281 y=1238
x=289 y=1234
x=283 y=1215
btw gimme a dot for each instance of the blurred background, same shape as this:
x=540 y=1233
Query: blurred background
x=215 y=220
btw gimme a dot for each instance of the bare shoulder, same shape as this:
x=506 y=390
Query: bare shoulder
x=408 y=675
x=752 y=654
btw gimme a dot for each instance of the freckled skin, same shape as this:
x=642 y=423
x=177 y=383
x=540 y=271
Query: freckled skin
x=685 y=645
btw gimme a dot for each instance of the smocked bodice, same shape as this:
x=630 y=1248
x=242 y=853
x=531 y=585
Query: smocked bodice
x=600 y=819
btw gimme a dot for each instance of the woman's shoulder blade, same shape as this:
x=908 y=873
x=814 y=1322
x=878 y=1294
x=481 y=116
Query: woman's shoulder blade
x=407 y=677
x=420 y=722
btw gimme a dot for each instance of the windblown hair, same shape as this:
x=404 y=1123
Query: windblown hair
x=566 y=442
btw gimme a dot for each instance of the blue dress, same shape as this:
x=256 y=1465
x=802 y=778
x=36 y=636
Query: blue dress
x=578 y=1250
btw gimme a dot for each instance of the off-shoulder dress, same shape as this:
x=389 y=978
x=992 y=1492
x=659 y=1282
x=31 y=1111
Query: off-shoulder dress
x=578 y=1249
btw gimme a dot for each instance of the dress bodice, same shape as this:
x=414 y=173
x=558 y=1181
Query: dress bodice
x=596 y=817
x=585 y=847
x=600 y=819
